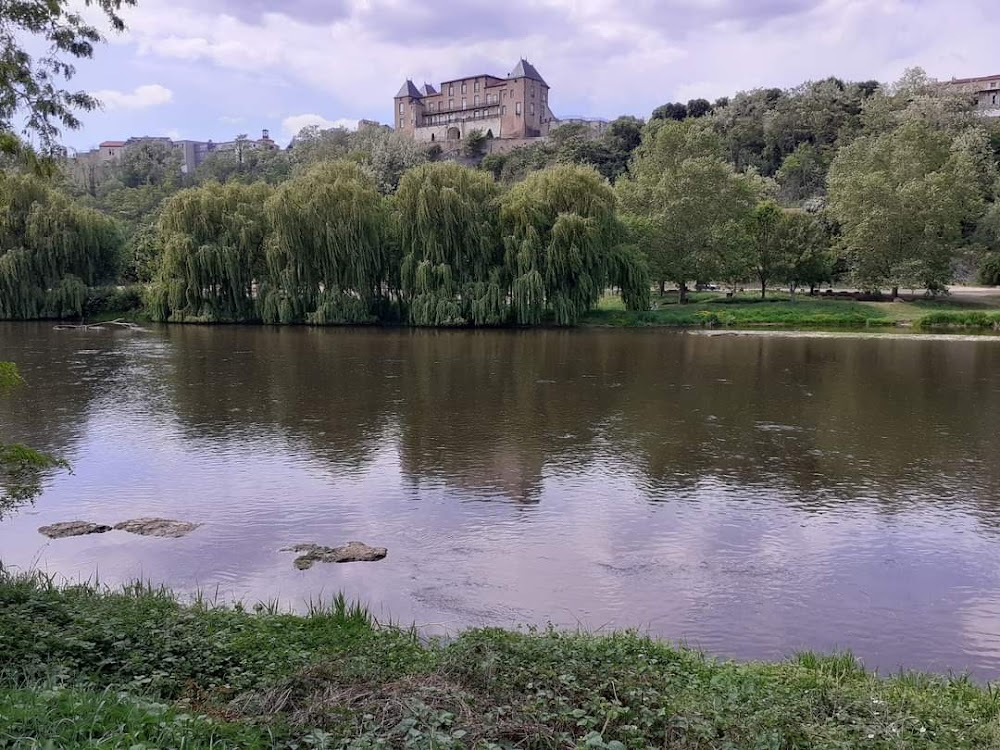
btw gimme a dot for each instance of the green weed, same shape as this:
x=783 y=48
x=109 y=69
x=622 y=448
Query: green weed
x=83 y=666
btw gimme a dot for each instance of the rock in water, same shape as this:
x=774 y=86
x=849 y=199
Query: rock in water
x=161 y=527
x=73 y=528
x=310 y=554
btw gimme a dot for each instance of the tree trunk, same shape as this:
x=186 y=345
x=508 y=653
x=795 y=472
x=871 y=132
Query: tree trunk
x=682 y=293
x=895 y=292
x=763 y=289
x=812 y=290
x=791 y=292
x=663 y=287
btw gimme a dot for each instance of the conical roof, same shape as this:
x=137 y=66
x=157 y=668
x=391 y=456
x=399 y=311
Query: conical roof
x=428 y=90
x=409 y=90
x=525 y=69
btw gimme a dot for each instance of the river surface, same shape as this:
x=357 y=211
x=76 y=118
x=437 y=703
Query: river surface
x=751 y=496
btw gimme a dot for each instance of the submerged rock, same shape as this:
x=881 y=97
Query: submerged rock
x=73 y=528
x=161 y=527
x=310 y=554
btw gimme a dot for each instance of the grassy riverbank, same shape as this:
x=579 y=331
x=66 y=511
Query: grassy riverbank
x=778 y=310
x=85 y=668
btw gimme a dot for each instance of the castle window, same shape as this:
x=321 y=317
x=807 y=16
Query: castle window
x=503 y=110
x=532 y=109
x=532 y=91
x=465 y=102
x=451 y=104
x=451 y=90
x=475 y=100
x=464 y=88
x=475 y=86
x=401 y=105
x=517 y=109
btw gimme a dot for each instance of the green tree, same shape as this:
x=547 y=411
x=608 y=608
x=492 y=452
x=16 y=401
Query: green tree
x=32 y=83
x=803 y=172
x=902 y=198
x=313 y=145
x=698 y=107
x=670 y=111
x=213 y=254
x=150 y=163
x=388 y=154
x=565 y=246
x=695 y=202
x=452 y=259
x=330 y=253
x=987 y=239
x=766 y=252
x=475 y=144
x=51 y=250
x=137 y=212
x=245 y=165
x=804 y=248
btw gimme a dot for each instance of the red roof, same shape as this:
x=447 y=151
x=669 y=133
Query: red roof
x=112 y=144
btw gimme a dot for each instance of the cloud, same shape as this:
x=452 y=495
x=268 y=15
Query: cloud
x=142 y=97
x=601 y=57
x=312 y=11
x=294 y=124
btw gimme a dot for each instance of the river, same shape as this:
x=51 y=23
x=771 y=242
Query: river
x=751 y=496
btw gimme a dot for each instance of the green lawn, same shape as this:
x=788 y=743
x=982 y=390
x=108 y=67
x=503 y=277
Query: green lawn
x=746 y=310
x=90 y=669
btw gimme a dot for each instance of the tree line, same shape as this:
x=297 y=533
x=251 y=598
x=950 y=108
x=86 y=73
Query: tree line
x=881 y=187
x=447 y=247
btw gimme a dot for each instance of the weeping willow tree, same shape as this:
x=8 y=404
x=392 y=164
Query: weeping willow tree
x=330 y=253
x=564 y=245
x=51 y=250
x=452 y=258
x=213 y=256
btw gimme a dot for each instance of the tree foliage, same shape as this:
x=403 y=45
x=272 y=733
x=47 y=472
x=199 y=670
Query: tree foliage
x=32 y=83
x=213 y=253
x=329 y=259
x=804 y=248
x=691 y=206
x=565 y=245
x=51 y=250
x=451 y=272
x=149 y=164
x=475 y=144
x=902 y=199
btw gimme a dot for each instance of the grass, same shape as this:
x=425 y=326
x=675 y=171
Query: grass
x=714 y=310
x=85 y=667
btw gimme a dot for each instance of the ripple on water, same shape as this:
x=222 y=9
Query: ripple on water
x=750 y=494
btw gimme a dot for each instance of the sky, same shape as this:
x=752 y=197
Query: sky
x=212 y=69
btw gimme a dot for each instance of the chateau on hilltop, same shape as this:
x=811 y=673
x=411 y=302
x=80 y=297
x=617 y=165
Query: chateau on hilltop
x=513 y=107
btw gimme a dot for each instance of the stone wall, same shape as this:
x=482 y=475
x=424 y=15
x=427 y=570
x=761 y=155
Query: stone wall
x=457 y=131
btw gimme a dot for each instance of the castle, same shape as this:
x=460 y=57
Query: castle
x=505 y=108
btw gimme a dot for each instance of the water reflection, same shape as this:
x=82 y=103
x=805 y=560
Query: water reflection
x=751 y=495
